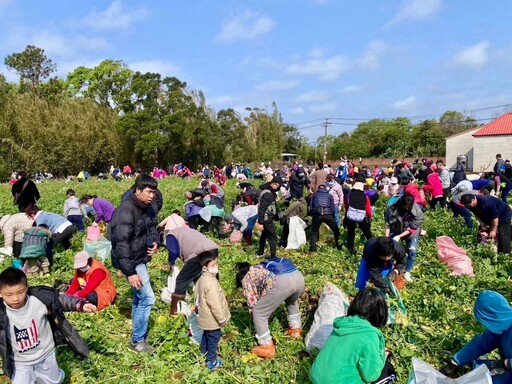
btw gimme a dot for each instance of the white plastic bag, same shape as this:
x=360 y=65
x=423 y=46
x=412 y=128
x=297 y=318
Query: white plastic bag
x=297 y=235
x=424 y=373
x=100 y=248
x=171 y=285
x=333 y=303
x=195 y=333
x=206 y=213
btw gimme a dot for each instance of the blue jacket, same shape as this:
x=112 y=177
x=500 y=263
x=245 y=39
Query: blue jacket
x=322 y=202
x=494 y=312
x=52 y=220
x=279 y=266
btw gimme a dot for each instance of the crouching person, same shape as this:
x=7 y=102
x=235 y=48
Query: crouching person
x=355 y=351
x=31 y=322
x=266 y=286
x=92 y=281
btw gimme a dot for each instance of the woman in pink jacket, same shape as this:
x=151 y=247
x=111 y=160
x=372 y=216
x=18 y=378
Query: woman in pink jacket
x=434 y=187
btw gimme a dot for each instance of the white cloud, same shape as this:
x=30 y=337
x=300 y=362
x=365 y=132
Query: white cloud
x=57 y=44
x=245 y=26
x=312 y=97
x=90 y=43
x=277 y=85
x=114 y=17
x=66 y=66
x=352 y=89
x=297 y=111
x=321 y=108
x=475 y=56
x=325 y=69
x=165 y=68
x=405 y=104
x=370 y=57
x=416 y=10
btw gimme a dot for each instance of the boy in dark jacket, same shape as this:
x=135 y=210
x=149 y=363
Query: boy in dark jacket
x=267 y=213
x=32 y=323
x=134 y=241
x=322 y=210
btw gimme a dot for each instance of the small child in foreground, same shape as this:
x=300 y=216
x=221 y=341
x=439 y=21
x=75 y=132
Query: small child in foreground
x=213 y=311
x=30 y=318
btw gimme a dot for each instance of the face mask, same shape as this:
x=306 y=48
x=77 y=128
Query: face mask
x=213 y=270
x=84 y=269
x=329 y=183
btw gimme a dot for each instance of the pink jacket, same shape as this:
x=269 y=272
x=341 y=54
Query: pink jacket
x=433 y=185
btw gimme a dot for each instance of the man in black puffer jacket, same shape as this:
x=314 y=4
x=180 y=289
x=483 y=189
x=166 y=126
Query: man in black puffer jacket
x=267 y=213
x=322 y=210
x=134 y=241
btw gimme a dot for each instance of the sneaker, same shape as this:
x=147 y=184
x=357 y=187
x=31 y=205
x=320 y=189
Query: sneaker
x=408 y=277
x=211 y=366
x=141 y=347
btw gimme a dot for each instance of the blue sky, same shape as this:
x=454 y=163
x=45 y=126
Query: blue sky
x=315 y=58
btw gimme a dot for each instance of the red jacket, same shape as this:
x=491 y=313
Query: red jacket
x=413 y=190
x=433 y=185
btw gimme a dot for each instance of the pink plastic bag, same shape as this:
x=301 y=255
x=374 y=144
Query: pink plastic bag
x=93 y=233
x=454 y=257
x=236 y=236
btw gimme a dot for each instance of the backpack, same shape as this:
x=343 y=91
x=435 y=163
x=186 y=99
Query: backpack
x=354 y=214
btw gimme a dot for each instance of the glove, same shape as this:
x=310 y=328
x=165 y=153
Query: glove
x=392 y=276
x=397 y=239
x=450 y=370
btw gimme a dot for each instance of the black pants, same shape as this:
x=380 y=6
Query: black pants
x=63 y=237
x=17 y=249
x=504 y=233
x=215 y=224
x=388 y=374
x=92 y=298
x=191 y=271
x=315 y=229
x=78 y=221
x=269 y=233
x=446 y=193
x=195 y=221
x=351 y=231
x=283 y=242
x=434 y=200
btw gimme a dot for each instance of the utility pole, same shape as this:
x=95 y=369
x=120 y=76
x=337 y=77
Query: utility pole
x=326 y=124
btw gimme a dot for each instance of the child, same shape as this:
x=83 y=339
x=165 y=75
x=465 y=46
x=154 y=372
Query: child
x=35 y=250
x=213 y=311
x=355 y=350
x=28 y=318
x=73 y=211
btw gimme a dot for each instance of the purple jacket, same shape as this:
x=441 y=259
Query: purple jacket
x=104 y=210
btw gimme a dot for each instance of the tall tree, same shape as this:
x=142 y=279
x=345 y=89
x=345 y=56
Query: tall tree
x=31 y=65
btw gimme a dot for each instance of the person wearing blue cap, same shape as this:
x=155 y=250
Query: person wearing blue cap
x=494 y=312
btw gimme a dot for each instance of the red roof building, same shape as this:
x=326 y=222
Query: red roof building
x=500 y=126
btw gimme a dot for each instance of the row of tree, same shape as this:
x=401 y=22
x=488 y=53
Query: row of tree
x=110 y=114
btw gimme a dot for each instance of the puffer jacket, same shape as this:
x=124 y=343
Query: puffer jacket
x=322 y=202
x=13 y=227
x=133 y=230
x=34 y=243
x=212 y=303
x=63 y=331
x=267 y=208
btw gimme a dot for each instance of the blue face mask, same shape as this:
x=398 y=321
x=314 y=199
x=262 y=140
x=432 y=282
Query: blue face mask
x=329 y=183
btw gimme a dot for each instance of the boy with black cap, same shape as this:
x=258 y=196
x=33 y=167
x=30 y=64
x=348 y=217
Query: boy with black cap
x=267 y=213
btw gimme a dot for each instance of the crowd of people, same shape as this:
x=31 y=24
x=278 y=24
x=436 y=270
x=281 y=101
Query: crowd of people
x=342 y=198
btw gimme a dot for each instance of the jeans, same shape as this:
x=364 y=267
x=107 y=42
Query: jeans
x=411 y=242
x=459 y=210
x=143 y=300
x=209 y=344
x=363 y=274
x=251 y=222
x=337 y=215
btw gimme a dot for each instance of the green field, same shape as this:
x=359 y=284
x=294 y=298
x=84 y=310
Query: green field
x=440 y=318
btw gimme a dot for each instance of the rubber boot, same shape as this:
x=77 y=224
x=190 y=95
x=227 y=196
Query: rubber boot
x=267 y=351
x=175 y=299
